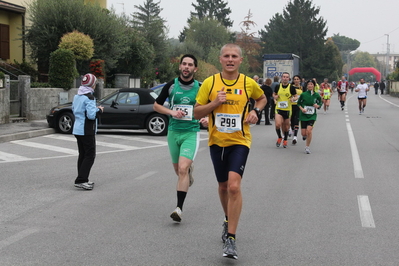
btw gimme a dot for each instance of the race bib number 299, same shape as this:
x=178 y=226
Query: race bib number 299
x=228 y=123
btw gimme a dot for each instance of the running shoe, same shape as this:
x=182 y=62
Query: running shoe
x=230 y=249
x=176 y=215
x=285 y=143
x=190 y=175
x=225 y=230
x=290 y=133
x=278 y=143
x=342 y=108
x=295 y=140
x=86 y=185
x=307 y=150
x=363 y=110
x=304 y=138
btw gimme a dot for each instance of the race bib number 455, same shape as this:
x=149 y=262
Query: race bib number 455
x=228 y=123
x=186 y=109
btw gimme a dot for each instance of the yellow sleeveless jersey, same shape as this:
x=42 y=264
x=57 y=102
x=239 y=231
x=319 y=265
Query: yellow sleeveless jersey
x=327 y=94
x=283 y=101
x=227 y=125
x=298 y=92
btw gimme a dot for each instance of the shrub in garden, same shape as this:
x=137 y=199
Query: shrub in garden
x=79 y=43
x=62 y=70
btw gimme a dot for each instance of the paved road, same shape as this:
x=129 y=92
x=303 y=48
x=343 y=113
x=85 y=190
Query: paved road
x=336 y=206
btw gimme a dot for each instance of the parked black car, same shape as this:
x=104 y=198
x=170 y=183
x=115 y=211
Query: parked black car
x=125 y=109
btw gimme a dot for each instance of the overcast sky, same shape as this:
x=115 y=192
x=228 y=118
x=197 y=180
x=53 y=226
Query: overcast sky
x=369 y=22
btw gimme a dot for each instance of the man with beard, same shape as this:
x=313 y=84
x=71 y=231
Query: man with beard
x=183 y=129
x=362 y=89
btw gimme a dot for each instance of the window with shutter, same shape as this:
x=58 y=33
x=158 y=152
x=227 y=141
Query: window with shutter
x=4 y=42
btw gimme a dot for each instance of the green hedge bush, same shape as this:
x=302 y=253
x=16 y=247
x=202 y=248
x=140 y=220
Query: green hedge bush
x=62 y=70
x=40 y=85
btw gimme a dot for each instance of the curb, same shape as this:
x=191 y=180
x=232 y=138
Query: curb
x=27 y=134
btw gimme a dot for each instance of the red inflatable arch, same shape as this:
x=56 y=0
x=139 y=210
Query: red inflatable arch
x=366 y=69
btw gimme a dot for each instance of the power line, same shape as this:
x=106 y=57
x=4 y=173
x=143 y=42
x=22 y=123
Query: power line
x=383 y=36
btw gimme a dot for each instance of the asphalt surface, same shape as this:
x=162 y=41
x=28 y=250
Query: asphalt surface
x=298 y=209
x=24 y=130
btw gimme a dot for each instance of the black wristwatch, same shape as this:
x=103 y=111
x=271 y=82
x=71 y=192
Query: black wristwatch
x=257 y=110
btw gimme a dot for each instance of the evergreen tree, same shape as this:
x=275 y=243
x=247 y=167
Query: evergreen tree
x=209 y=9
x=345 y=45
x=300 y=31
x=213 y=9
x=152 y=26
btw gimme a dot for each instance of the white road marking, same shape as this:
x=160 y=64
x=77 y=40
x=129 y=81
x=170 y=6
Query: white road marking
x=152 y=141
x=98 y=143
x=357 y=165
x=60 y=137
x=8 y=157
x=45 y=147
x=17 y=237
x=144 y=176
x=388 y=101
x=366 y=216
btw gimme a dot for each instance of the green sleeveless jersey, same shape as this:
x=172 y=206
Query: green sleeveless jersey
x=184 y=100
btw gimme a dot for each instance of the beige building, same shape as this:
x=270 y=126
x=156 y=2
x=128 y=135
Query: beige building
x=392 y=60
x=12 y=19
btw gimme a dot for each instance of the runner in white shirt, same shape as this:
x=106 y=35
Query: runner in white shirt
x=362 y=90
x=342 y=88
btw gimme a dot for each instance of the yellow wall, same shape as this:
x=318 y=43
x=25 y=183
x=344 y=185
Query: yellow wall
x=4 y=17
x=102 y=3
x=14 y=21
x=16 y=49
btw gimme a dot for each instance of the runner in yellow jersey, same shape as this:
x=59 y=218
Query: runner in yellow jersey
x=326 y=93
x=224 y=97
x=283 y=94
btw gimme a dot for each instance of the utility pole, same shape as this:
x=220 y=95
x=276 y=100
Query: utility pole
x=348 y=63
x=387 y=59
x=123 y=7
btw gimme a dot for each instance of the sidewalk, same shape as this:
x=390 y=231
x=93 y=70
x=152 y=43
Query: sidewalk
x=24 y=130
